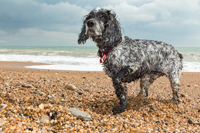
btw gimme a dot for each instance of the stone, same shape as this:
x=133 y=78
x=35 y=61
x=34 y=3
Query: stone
x=70 y=87
x=80 y=92
x=183 y=95
x=152 y=108
x=54 y=115
x=3 y=106
x=39 y=92
x=75 y=92
x=45 y=118
x=6 y=84
x=2 y=121
x=87 y=90
x=197 y=123
x=80 y=114
x=132 y=130
x=41 y=106
x=1 y=86
x=190 y=121
x=26 y=85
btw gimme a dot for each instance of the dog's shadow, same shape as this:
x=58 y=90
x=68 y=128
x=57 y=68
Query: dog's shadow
x=105 y=107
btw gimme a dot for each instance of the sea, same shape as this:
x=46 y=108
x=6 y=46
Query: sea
x=80 y=58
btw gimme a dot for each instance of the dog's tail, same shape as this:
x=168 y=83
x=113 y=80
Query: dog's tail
x=181 y=56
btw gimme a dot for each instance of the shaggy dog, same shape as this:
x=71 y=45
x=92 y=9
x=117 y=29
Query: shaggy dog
x=126 y=60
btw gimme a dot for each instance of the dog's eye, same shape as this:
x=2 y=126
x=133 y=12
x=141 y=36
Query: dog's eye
x=89 y=17
x=104 y=18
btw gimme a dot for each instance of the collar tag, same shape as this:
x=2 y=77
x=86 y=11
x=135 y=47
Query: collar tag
x=103 y=58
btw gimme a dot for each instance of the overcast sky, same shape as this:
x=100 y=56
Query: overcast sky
x=58 y=23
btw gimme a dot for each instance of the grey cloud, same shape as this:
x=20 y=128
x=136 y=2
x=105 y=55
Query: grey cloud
x=46 y=22
x=28 y=14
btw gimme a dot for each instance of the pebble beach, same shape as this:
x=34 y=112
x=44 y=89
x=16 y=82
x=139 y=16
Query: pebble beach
x=52 y=101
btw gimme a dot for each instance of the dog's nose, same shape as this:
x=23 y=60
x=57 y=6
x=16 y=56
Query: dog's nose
x=90 y=23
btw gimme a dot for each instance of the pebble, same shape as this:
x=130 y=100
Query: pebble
x=190 y=121
x=75 y=92
x=41 y=106
x=1 y=86
x=6 y=84
x=87 y=90
x=45 y=118
x=3 y=106
x=80 y=92
x=26 y=85
x=70 y=87
x=183 y=95
x=2 y=121
x=54 y=115
x=152 y=108
x=39 y=92
x=156 y=128
x=132 y=130
x=80 y=114
x=45 y=109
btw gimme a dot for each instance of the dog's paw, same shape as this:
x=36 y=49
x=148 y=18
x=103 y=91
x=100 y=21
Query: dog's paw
x=142 y=94
x=118 y=110
x=177 y=100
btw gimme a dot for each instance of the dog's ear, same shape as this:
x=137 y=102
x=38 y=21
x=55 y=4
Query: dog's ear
x=82 y=36
x=112 y=34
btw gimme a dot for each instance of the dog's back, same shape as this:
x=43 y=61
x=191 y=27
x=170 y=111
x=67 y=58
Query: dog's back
x=145 y=55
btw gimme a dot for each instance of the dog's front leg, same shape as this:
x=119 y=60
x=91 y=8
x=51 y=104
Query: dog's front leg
x=121 y=89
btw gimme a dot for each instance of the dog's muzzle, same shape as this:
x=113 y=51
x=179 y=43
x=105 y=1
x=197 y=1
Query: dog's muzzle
x=90 y=23
x=93 y=28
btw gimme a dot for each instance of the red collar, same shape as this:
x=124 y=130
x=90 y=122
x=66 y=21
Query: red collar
x=103 y=56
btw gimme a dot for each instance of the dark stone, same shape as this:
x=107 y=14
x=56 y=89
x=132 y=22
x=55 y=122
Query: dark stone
x=179 y=112
x=152 y=108
x=80 y=92
x=31 y=129
x=157 y=121
x=53 y=131
x=166 y=123
x=63 y=95
x=190 y=121
x=54 y=115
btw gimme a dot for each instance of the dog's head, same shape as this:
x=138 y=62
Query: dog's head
x=102 y=26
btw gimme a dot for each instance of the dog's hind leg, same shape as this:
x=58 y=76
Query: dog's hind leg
x=175 y=84
x=121 y=89
x=146 y=81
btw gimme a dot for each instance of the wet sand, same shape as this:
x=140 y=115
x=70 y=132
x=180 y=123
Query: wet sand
x=27 y=95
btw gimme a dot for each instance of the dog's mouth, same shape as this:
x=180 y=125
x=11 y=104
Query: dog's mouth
x=90 y=32
x=97 y=38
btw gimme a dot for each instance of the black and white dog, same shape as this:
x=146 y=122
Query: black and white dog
x=126 y=60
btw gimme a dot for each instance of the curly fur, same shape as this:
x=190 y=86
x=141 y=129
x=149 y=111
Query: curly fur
x=129 y=59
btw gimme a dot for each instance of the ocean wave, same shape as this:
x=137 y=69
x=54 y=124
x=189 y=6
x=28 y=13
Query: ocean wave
x=78 y=58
